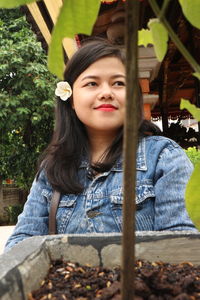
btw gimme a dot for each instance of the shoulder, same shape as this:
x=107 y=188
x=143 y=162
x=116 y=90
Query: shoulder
x=161 y=141
x=167 y=151
x=164 y=147
x=41 y=179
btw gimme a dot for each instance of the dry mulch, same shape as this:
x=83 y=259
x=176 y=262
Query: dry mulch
x=153 y=281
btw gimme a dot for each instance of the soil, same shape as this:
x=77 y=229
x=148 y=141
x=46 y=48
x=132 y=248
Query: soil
x=153 y=281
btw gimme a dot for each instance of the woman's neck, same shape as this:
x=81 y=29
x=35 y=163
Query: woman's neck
x=99 y=144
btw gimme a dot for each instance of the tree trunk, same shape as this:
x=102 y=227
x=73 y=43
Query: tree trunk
x=130 y=148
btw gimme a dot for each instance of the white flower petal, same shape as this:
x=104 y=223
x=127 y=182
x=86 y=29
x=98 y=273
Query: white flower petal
x=63 y=90
x=57 y=92
x=64 y=97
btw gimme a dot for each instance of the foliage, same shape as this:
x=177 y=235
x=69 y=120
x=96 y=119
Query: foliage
x=197 y=75
x=191 y=10
x=86 y=12
x=160 y=38
x=144 y=37
x=14 y=3
x=185 y=104
x=182 y=135
x=26 y=99
x=192 y=196
x=193 y=188
x=83 y=21
x=67 y=26
x=193 y=154
x=13 y=213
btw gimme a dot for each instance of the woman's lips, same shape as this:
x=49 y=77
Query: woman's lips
x=106 y=107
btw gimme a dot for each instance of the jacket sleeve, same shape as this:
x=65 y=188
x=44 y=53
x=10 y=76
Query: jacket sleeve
x=34 y=218
x=173 y=171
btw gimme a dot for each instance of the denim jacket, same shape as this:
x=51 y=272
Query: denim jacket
x=163 y=170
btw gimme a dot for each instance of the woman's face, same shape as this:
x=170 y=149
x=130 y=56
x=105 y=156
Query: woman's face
x=99 y=96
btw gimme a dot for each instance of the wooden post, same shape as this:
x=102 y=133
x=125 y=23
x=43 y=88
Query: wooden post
x=164 y=98
x=130 y=148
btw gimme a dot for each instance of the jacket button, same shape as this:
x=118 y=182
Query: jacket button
x=93 y=214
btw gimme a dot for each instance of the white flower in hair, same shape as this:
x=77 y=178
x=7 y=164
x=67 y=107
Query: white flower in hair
x=63 y=90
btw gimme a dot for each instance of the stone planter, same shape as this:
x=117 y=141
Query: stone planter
x=25 y=265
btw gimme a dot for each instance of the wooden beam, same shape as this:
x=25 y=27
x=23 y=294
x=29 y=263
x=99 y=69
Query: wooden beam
x=53 y=8
x=35 y=12
x=70 y=46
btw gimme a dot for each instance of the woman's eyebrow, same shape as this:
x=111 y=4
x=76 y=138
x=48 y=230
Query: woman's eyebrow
x=90 y=77
x=97 y=77
x=118 y=75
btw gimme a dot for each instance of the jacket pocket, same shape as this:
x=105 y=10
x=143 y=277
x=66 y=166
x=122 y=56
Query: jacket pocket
x=116 y=206
x=145 y=195
x=65 y=209
x=144 y=190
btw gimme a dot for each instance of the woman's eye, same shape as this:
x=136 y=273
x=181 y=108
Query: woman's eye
x=119 y=83
x=92 y=83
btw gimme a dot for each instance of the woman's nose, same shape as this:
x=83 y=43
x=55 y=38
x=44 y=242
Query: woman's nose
x=106 y=93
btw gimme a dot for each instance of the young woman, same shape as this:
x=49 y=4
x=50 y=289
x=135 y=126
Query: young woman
x=84 y=159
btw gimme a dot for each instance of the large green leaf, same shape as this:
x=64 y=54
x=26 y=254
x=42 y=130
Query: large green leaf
x=14 y=3
x=160 y=37
x=185 y=104
x=144 y=37
x=76 y=16
x=191 y=10
x=192 y=197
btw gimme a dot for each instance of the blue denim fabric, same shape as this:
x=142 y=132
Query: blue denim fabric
x=163 y=170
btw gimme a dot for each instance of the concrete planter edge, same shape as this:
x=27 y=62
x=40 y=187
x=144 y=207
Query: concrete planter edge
x=25 y=265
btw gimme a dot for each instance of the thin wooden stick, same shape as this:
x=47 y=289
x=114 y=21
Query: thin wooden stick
x=130 y=148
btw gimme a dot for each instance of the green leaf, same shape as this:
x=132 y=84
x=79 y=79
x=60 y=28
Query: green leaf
x=14 y=3
x=76 y=16
x=185 y=104
x=192 y=197
x=197 y=75
x=23 y=110
x=144 y=37
x=191 y=10
x=159 y=36
x=194 y=154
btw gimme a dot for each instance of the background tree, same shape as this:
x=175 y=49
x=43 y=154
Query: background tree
x=26 y=99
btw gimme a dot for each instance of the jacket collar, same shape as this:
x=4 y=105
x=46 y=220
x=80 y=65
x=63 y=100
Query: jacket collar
x=141 y=155
x=141 y=164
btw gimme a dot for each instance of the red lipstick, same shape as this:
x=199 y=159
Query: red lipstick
x=106 y=107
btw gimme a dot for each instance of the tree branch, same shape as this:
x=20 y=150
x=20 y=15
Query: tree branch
x=164 y=8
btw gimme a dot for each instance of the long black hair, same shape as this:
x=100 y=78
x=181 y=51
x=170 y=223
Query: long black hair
x=69 y=145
